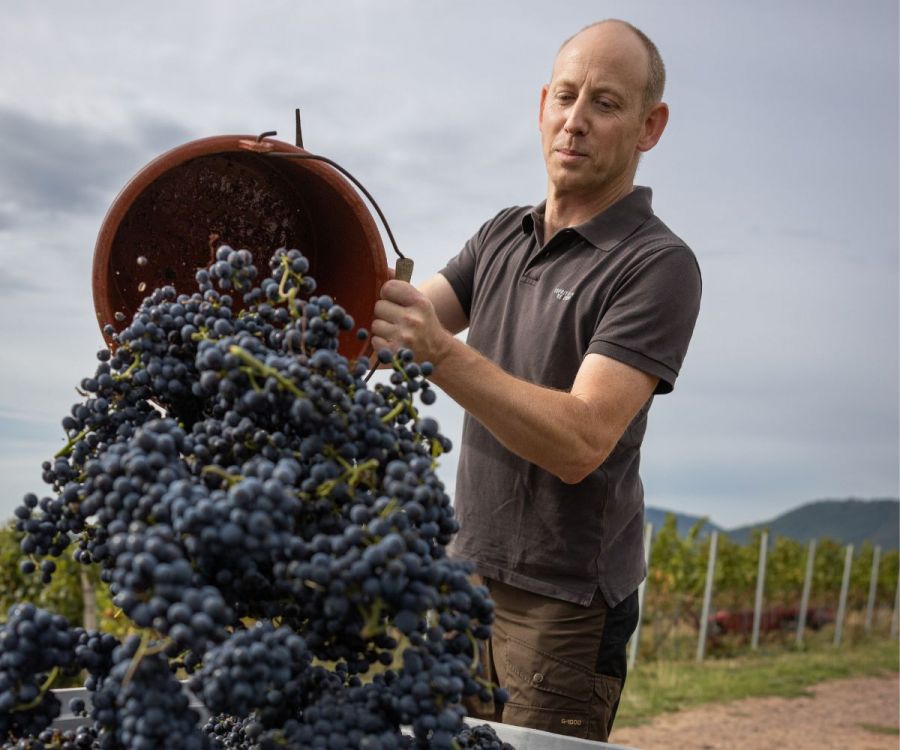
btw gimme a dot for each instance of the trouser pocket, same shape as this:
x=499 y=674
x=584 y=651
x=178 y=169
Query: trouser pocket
x=546 y=692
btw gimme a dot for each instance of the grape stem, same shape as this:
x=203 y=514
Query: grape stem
x=144 y=649
x=67 y=448
x=372 y=617
x=231 y=479
x=269 y=372
x=34 y=702
x=251 y=375
x=201 y=334
x=391 y=506
x=282 y=292
x=395 y=412
x=352 y=476
x=131 y=368
x=291 y=294
x=476 y=652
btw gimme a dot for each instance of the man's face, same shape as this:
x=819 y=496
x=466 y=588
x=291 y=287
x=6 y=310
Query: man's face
x=592 y=117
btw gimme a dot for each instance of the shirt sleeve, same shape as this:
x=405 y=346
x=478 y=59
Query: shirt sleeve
x=651 y=318
x=462 y=270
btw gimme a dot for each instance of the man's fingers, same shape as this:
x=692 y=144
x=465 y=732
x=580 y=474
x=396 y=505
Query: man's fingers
x=382 y=329
x=400 y=292
x=389 y=311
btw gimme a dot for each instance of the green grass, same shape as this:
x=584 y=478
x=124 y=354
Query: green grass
x=660 y=686
x=879 y=729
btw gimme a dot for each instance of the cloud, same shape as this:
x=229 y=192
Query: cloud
x=155 y=134
x=14 y=283
x=28 y=428
x=59 y=167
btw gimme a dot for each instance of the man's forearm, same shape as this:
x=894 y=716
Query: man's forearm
x=568 y=433
x=540 y=424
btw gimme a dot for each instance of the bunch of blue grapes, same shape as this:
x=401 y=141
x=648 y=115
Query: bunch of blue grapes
x=80 y=738
x=35 y=647
x=269 y=524
x=481 y=737
x=140 y=703
x=257 y=670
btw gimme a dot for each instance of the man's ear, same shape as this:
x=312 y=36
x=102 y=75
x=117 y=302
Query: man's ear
x=544 y=90
x=654 y=125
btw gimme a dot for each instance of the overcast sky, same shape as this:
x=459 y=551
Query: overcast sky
x=779 y=167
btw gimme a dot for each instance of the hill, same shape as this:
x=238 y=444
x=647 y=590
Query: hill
x=849 y=521
x=684 y=521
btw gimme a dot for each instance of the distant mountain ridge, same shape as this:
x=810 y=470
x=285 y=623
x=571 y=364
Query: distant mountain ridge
x=849 y=521
x=683 y=521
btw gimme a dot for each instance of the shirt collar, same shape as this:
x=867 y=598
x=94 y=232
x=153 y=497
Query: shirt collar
x=608 y=228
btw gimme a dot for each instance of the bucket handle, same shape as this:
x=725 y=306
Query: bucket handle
x=315 y=157
x=404 y=266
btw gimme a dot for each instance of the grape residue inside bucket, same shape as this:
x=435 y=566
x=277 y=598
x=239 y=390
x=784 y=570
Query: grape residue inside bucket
x=177 y=211
x=178 y=222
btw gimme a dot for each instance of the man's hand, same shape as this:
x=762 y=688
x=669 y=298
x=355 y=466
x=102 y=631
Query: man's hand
x=406 y=319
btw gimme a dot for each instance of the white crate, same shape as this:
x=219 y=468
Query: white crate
x=519 y=737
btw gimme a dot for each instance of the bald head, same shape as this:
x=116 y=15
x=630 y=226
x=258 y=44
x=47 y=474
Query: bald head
x=620 y=33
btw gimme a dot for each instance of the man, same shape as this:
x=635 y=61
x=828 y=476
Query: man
x=579 y=310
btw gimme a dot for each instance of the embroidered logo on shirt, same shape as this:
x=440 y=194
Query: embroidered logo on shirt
x=563 y=294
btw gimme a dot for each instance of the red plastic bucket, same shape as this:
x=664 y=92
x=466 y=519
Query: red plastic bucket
x=178 y=209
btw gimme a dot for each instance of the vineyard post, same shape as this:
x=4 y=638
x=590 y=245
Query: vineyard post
x=707 y=594
x=760 y=586
x=895 y=618
x=842 y=601
x=89 y=596
x=636 y=637
x=873 y=588
x=807 y=587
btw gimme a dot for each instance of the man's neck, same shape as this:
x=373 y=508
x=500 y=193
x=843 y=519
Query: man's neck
x=571 y=209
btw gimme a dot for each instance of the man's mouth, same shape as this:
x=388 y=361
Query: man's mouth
x=570 y=154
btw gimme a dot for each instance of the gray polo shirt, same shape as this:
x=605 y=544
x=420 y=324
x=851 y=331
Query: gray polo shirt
x=622 y=285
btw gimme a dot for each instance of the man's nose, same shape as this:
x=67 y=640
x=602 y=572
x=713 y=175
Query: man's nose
x=576 y=121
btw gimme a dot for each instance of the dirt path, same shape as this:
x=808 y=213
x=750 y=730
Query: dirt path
x=843 y=714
